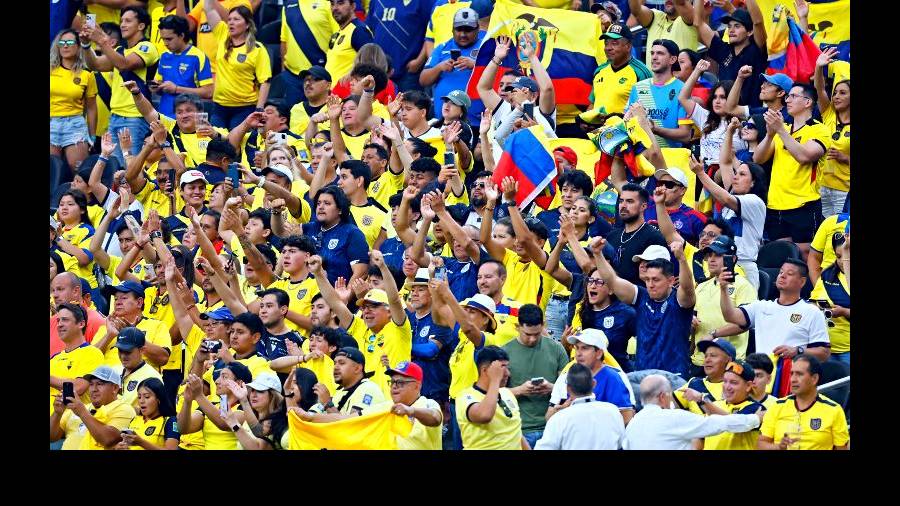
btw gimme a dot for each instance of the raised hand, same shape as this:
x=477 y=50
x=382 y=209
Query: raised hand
x=597 y=245
x=510 y=188
x=733 y=126
x=451 y=133
x=695 y=165
x=389 y=131
x=437 y=202
x=334 y=104
x=659 y=194
x=677 y=247
x=107 y=145
x=426 y=209
x=566 y=227
x=485 y=124
x=802 y=9
x=394 y=105
x=774 y=121
x=358 y=286
x=745 y=71
x=702 y=66
x=826 y=57
x=314 y=264
x=376 y=258
x=490 y=191
x=159 y=132
x=502 y=48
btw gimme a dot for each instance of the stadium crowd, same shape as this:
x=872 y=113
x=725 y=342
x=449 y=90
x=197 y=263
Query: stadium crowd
x=425 y=224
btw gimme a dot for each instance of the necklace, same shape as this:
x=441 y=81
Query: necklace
x=622 y=239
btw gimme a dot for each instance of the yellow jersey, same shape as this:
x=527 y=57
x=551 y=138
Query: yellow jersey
x=68 y=91
x=675 y=30
x=323 y=368
x=80 y=236
x=503 y=432
x=709 y=312
x=839 y=335
x=155 y=15
x=422 y=437
x=206 y=41
x=821 y=426
x=393 y=340
x=822 y=240
x=362 y=398
x=386 y=186
x=155 y=431
x=300 y=114
x=117 y=413
x=156 y=333
x=306 y=28
x=507 y=317
x=194 y=440
x=217 y=439
x=130 y=382
x=463 y=372
x=612 y=87
x=301 y=294
x=343 y=45
x=191 y=144
x=240 y=73
x=121 y=102
x=152 y=198
x=74 y=364
x=835 y=174
x=104 y=99
x=369 y=219
x=702 y=385
x=739 y=440
x=355 y=143
x=526 y=282
x=793 y=184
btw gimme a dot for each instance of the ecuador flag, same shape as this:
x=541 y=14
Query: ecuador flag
x=374 y=431
x=567 y=43
x=527 y=158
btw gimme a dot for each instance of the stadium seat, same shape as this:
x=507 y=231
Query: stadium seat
x=772 y=273
x=775 y=253
x=765 y=283
x=270 y=33
x=57 y=194
x=277 y=87
x=274 y=57
x=57 y=167
x=635 y=377
x=833 y=370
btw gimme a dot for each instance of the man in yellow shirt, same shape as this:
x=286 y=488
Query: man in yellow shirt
x=355 y=395
x=425 y=413
x=99 y=426
x=794 y=204
x=306 y=29
x=131 y=345
x=128 y=312
x=487 y=412
x=737 y=385
x=805 y=420
x=345 y=42
x=77 y=358
x=354 y=177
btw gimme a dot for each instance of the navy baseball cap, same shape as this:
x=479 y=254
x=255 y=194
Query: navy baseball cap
x=130 y=338
x=525 y=82
x=353 y=354
x=739 y=15
x=723 y=245
x=722 y=344
x=221 y=314
x=782 y=81
x=125 y=287
x=319 y=73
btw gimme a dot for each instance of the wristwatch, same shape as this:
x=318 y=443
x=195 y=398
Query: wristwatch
x=328 y=405
x=713 y=333
x=156 y=234
x=165 y=144
x=235 y=428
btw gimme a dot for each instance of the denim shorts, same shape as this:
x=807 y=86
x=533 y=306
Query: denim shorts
x=68 y=130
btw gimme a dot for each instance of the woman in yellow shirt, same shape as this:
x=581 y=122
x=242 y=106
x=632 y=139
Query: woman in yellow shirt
x=155 y=427
x=242 y=65
x=835 y=172
x=75 y=232
x=73 y=92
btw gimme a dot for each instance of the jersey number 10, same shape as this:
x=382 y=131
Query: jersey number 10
x=389 y=14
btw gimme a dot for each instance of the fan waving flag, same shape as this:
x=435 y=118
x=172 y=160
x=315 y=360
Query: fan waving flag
x=566 y=43
x=371 y=431
x=527 y=159
x=791 y=51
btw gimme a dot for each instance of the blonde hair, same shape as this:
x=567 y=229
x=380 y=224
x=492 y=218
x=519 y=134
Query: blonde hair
x=56 y=58
x=371 y=54
x=245 y=13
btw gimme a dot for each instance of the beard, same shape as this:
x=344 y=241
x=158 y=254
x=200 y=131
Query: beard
x=479 y=201
x=630 y=219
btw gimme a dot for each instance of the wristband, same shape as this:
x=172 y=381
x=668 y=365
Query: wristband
x=103 y=159
x=156 y=234
x=496 y=62
x=135 y=94
x=85 y=46
x=369 y=90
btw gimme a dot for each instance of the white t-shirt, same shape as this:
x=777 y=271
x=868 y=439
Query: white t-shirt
x=799 y=324
x=504 y=118
x=111 y=241
x=747 y=224
x=711 y=143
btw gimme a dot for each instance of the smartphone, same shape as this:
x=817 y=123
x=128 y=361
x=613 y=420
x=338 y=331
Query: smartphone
x=280 y=138
x=127 y=431
x=729 y=266
x=824 y=304
x=537 y=381
x=213 y=346
x=455 y=54
x=223 y=405
x=53 y=223
x=203 y=118
x=68 y=391
x=528 y=109
x=440 y=273
x=171 y=185
x=90 y=20
x=449 y=158
x=234 y=174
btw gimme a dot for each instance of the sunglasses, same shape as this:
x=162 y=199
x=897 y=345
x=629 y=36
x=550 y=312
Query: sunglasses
x=479 y=185
x=504 y=407
x=66 y=43
x=748 y=125
x=671 y=185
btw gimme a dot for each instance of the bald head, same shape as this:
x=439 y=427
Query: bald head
x=66 y=287
x=652 y=386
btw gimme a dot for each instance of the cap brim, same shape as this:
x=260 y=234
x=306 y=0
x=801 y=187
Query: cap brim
x=705 y=345
x=612 y=36
x=125 y=347
x=388 y=372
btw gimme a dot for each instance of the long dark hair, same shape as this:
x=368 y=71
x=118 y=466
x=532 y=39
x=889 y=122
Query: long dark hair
x=155 y=385
x=760 y=186
x=81 y=201
x=713 y=120
x=340 y=200
x=760 y=123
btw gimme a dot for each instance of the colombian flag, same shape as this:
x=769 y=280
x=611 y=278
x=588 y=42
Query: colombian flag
x=376 y=431
x=791 y=51
x=527 y=158
x=567 y=45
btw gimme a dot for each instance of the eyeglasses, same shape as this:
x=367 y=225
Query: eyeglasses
x=596 y=281
x=504 y=407
x=748 y=125
x=669 y=184
x=795 y=96
x=66 y=43
x=400 y=383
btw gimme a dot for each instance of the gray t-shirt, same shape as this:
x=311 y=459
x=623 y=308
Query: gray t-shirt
x=545 y=359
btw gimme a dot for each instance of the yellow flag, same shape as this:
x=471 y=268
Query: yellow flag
x=375 y=431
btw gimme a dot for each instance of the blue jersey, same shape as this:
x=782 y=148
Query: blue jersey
x=663 y=107
x=663 y=331
x=392 y=249
x=399 y=28
x=341 y=247
x=462 y=277
x=611 y=388
x=190 y=69
x=688 y=221
x=435 y=364
x=455 y=79
x=271 y=346
x=617 y=321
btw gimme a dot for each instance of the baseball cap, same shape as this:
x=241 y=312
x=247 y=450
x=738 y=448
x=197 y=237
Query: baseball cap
x=676 y=174
x=653 y=252
x=130 y=338
x=408 y=369
x=722 y=344
x=222 y=314
x=782 y=81
x=612 y=9
x=251 y=321
x=484 y=304
x=617 y=31
x=568 y=154
x=279 y=169
x=524 y=82
x=739 y=15
x=318 y=72
x=670 y=46
x=353 y=354
x=723 y=245
x=107 y=374
x=459 y=98
x=265 y=381
x=377 y=296
x=191 y=176
x=465 y=17
x=125 y=287
x=422 y=277
x=742 y=369
x=593 y=337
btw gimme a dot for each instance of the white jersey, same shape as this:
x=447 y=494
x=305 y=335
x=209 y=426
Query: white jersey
x=504 y=118
x=747 y=224
x=799 y=324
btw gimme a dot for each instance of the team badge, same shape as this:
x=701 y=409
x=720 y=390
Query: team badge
x=662 y=309
x=367 y=220
x=847 y=134
x=144 y=48
x=730 y=290
x=796 y=317
x=165 y=300
x=671 y=94
x=679 y=225
x=77 y=80
x=332 y=243
x=815 y=423
x=131 y=386
x=241 y=58
x=149 y=431
x=301 y=294
x=465 y=268
x=608 y=322
x=474 y=54
x=424 y=332
x=202 y=144
x=622 y=80
x=182 y=68
x=367 y=400
x=406 y=3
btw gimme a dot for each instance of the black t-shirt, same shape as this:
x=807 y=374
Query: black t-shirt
x=273 y=346
x=730 y=64
x=628 y=244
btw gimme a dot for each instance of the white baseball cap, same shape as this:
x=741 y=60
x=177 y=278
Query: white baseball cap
x=593 y=337
x=281 y=170
x=191 y=176
x=265 y=381
x=675 y=173
x=653 y=252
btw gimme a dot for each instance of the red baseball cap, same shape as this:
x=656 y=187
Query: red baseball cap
x=408 y=369
x=568 y=154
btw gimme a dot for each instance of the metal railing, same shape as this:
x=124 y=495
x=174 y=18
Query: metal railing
x=831 y=385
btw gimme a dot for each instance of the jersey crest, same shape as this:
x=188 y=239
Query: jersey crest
x=424 y=331
x=332 y=243
x=608 y=322
x=796 y=317
x=301 y=294
x=131 y=386
x=815 y=423
x=149 y=431
x=241 y=58
x=367 y=220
